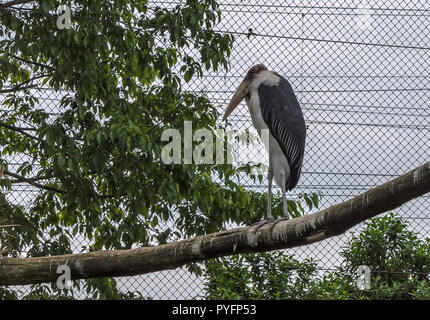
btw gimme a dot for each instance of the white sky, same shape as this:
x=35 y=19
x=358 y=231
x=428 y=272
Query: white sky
x=362 y=78
x=364 y=93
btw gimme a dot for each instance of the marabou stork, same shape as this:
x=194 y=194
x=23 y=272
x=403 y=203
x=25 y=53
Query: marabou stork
x=274 y=106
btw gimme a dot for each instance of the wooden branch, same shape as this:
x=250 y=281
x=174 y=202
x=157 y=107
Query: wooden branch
x=14 y=3
x=32 y=62
x=20 y=130
x=33 y=182
x=20 y=86
x=286 y=234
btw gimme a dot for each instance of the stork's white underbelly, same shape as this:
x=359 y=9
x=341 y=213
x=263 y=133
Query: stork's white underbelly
x=278 y=160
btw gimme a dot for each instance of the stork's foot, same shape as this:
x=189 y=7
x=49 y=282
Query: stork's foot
x=277 y=221
x=262 y=223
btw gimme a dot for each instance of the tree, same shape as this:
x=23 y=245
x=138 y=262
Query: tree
x=399 y=262
x=283 y=234
x=95 y=157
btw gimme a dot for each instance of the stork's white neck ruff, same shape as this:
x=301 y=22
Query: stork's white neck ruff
x=278 y=162
x=265 y=77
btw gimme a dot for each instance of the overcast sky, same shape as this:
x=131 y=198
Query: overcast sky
x=361 y=73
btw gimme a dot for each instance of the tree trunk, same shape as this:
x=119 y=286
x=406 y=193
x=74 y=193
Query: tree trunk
x=286 y=234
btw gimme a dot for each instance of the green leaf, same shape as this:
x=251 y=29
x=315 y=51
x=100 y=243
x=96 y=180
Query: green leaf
x=188 y=75
x=46 y=5
x=314 y=198
x=61 y=160
x=112 y=89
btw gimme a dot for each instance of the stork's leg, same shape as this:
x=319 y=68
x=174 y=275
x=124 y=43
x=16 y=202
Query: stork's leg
x=269 y=193
x=269 y=217
x=284 y=201
x=284 y=196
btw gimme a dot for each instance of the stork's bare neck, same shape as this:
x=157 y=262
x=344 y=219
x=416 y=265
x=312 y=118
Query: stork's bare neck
x=256 y=76
x=266 y=77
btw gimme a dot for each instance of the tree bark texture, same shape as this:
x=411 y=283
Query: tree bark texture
x=286 y=234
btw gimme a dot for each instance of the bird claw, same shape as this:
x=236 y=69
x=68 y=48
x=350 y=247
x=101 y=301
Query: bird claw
x=270 y=221
x=262 y=223
x=277 y=221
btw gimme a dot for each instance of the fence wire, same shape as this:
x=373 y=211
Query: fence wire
x=361 y=74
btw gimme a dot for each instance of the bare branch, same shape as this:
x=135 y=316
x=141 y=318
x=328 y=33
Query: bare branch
x=286 y=234
x=34 y=63
x=18 y=88
x=32 y=181
x=21 y=85
x=14 y=3
x=20 y=130
x=42 y=65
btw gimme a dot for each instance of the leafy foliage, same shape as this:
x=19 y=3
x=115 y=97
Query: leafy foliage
x=95 y=156
x=399 y=261
x=258 y=276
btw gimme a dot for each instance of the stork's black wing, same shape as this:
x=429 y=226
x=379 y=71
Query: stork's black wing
x=282 y=114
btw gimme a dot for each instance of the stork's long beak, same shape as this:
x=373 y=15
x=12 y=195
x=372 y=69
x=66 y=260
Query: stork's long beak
x=237 y=98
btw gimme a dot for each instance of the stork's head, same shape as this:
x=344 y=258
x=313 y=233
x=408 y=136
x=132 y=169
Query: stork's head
x=243 y=88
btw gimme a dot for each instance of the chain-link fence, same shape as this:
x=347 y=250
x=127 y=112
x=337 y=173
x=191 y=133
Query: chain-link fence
x=360 y=71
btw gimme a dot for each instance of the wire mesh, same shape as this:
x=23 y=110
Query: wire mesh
x=360 y=72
